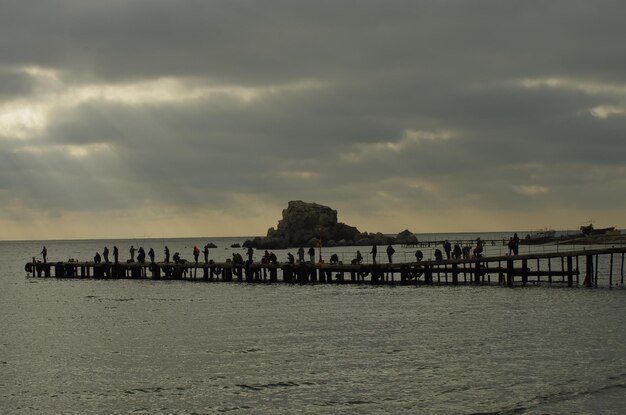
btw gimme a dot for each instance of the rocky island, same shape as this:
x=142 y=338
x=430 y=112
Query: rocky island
x=306 y=224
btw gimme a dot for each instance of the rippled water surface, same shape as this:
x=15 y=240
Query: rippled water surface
x=80 y=346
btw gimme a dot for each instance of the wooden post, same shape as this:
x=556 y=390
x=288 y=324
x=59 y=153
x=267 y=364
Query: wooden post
x=589 y=271
x=455 y=274
x=570 y=274
x=622 y=271
x=611 y=272
x=477 y=272
x=509 y=272
x=428 y=274
x=596 y=272
x=549 y=271
x=524 y=271
x=538 y=273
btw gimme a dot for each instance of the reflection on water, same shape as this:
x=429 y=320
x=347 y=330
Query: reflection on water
x=175 y=347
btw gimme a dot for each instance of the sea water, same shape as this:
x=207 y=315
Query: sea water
x=143 y=346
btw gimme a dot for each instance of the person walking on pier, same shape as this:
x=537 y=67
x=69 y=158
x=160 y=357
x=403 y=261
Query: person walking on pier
x=312 y=255
x=151 y=255
x=205 y=251
x=447 y=247
x=132 y=253
x=390 y=252
x=374 y=252
x=105 y=254
x=196 y=253
x=116 y=254
x=166 y=251
x=44 y=254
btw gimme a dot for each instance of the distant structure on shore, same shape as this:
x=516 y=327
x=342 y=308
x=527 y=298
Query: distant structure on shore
x=308 y=224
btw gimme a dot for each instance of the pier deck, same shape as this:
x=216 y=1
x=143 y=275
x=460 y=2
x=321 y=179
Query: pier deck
x=545 y=268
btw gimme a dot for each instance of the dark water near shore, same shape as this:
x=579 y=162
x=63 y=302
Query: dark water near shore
x=127 y=346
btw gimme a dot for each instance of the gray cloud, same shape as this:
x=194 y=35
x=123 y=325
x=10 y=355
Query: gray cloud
x=500 y=106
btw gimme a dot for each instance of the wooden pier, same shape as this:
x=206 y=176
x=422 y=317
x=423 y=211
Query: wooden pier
x=562 y=268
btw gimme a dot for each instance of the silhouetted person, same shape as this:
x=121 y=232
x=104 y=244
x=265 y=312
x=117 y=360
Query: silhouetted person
x=205 y=251
x=419 y=255
x=44 y=254
x=301 y=254
x=438 y=255
x=176 y=258
x=374 y=252
x=312 y=255
x=166 y=251
x=272 y=258
x=116 y=254
x=390 y=252
x=334 y=259
x=478 y=251
x=141 y=255
x=511 y=246
x=466 y=252
x=151 y=255
x=447 y=247
x=457 y=252
x=250 y=253
x=97 y=259
x=132 y=253
x=516 y=245
x=196 y=253
x=105 y=254
x=290 y=258
x=358 y=259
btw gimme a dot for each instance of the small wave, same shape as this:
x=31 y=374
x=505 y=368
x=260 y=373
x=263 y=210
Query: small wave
x=258 y=387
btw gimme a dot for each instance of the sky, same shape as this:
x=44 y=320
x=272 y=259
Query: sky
x=154 y=118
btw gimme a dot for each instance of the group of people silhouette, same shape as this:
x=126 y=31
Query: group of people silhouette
x=456 y=252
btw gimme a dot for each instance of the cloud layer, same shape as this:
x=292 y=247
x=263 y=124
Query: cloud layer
x=160 y=118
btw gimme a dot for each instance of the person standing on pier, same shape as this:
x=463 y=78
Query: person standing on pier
x=196 y=253
x=97 y=259
x=44 y=254
x=312 y=255
x=250 y=253
x=359 y=257
x=457 y=253
x=132 y=253
x=374 y=252
x=515 y=244
x=116 y=254
x=105 y=254
x=447 y=247
x=205 y=251
x=141 y=256
x=390 y=252
x=511 y=246
x=290 y=258
x=166 y=251
x=151 y=255
x=301 y=254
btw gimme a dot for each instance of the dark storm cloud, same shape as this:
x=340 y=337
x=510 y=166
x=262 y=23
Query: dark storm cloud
x=437 y=103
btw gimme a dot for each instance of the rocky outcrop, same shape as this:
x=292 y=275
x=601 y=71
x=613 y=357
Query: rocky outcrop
x=303 y=224
x=406 y=237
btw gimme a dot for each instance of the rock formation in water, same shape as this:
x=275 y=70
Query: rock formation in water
x=303 y=224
